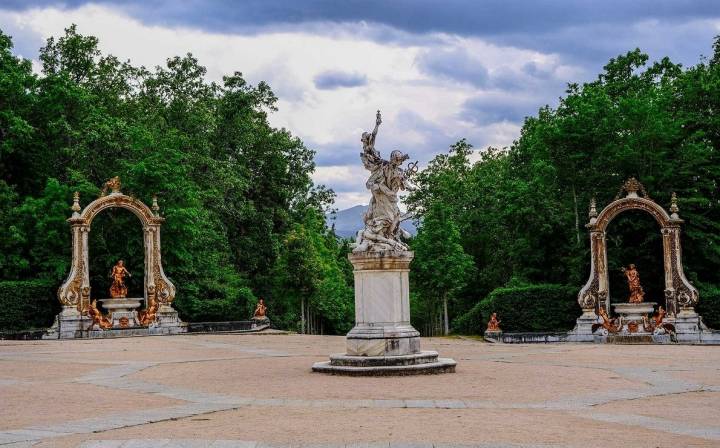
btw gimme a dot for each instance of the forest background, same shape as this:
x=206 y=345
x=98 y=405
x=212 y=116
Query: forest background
x=500 y=229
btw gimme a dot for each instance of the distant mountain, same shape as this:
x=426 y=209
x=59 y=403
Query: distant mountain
x=349 y=221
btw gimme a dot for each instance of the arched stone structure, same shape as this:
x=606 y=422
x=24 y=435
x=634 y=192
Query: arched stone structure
x=680 y=295
x=74 y=293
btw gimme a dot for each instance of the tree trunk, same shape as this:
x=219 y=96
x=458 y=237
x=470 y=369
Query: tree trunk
x=445 y=315
x=302 y=315
x=577 y=215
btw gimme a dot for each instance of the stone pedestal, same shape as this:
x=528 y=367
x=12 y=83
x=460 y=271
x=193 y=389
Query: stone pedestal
x=383 y=342
x=68 y=324
x=583 y=327
x=687 y=326
x=493 y=336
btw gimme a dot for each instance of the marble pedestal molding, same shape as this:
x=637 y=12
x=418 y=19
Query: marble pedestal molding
x=383 y=342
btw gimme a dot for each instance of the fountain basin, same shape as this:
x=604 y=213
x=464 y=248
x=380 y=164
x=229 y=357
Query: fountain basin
x=120 y=304
x=634 y=312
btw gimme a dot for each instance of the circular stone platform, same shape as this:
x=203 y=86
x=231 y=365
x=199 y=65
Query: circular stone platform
x=422 y=363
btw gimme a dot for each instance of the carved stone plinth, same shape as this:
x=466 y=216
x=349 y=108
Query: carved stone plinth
x=68 y=324
x=383 y=342
x=583 y=331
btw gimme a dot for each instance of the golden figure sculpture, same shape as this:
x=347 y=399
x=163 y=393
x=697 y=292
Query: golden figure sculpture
x=493 y=324
x=148 y=316
x=658 y=324
x=113 y=185
x=659 y=316
x=98 y=318
x=610 y=325
x=633 y=277
x=118 y=289
x=260 y=310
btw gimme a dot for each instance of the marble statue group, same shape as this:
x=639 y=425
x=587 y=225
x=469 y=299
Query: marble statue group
x=382 y=229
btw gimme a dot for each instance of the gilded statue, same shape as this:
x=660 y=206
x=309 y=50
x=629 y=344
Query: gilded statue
x=657 y=324
x=611 y=325
x=260 y=310
x=493 y=324
x=113 y=185
x=633 y=277
x=97 y=317
x=387 y=178
x=118 y=289
x=148 y=316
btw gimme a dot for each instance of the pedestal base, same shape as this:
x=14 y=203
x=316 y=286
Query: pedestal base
x=583 y=328
x=383 y=342
x=70 y=324
x=422 y=363
x=493 y=336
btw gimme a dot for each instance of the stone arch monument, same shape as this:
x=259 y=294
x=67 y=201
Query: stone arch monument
x=79 y=316
x=680 y=295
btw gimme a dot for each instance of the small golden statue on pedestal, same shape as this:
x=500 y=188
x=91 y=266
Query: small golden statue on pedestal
x=97 y=317
x=493 y=324
x=260 y=311
x=118 y=289
x=633 y=277
x=148 y=316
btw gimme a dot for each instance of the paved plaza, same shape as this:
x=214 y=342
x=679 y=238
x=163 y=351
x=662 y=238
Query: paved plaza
x=258 y=390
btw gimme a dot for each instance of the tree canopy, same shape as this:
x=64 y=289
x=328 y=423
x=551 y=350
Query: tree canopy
x=233 y=189
x=521 y=210
x=244 y=219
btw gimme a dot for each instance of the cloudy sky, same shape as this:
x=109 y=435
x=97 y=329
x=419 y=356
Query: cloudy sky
x=438 y=70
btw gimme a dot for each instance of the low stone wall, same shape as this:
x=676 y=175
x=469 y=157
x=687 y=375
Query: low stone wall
x=534 y=338
x=25 y=335
x=237 y=325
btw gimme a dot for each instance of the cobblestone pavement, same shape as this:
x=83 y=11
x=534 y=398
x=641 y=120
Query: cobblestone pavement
x=258 y=390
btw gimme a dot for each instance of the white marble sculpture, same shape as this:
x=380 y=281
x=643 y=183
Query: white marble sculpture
x=382 y=230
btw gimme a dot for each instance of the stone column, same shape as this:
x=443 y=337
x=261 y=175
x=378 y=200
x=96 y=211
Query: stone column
x=383 y=342
x=382 y=306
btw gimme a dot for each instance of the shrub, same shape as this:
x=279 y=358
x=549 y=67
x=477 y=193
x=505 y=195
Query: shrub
x=525 y=308
x=221 y=309
x=27 y=304
x=709 y=307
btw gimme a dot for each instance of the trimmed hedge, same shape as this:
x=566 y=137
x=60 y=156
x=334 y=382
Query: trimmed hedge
x=709 y=307
x=224 y=309
x=526 y=308
x=27 y=304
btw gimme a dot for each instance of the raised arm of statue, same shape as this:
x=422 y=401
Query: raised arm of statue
x=378 y=122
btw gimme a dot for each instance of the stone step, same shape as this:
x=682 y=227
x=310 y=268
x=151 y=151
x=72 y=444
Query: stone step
x=442 y=365
x=423 y=357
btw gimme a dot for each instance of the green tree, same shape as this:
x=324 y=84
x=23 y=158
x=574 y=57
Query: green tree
x=441 y=268
x=231 y=187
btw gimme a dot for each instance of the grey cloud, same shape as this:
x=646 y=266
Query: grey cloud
x=464 y=17
x=487 y=109
x=341 y=153
x=332 y=79
x=456 y=64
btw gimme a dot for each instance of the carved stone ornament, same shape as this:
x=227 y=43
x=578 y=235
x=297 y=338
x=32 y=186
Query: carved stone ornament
x=75 y=291
x=678 y=290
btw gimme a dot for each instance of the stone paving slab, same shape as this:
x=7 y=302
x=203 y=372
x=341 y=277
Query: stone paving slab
x=285 y=393
x=198 y=443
